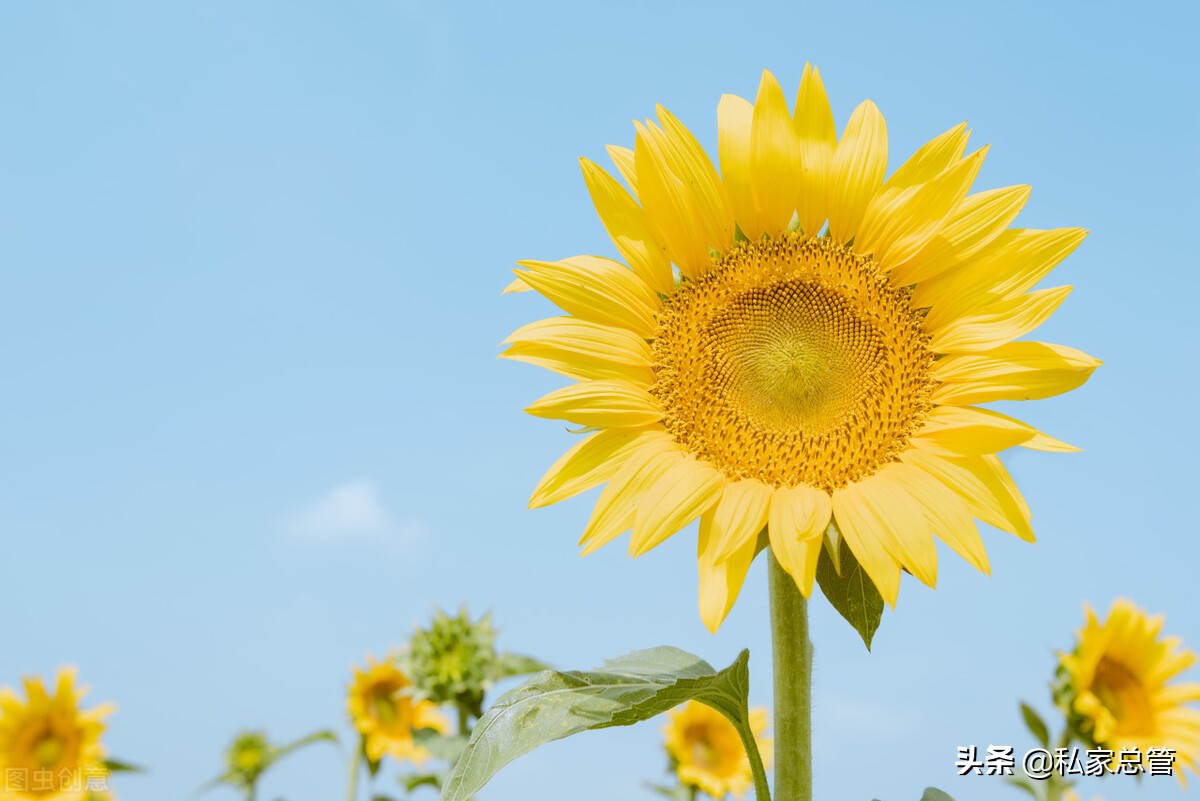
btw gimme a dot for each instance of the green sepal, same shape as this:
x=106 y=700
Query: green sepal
x=850 y=591
x=117 y=766
x=555 y=704
x=1035 y=724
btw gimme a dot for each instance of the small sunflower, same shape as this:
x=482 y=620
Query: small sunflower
x=49 y=747
x=386 y=714
x=797 y=341
x=707 y=752
x=1119 y=684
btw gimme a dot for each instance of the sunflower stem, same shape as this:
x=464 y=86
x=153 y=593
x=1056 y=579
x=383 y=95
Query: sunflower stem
x=355 y=765
x=792 y=657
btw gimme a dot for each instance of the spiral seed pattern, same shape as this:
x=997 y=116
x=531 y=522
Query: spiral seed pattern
x=793 y=361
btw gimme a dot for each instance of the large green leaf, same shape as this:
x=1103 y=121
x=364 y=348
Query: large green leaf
x=850 y=590
x=556 y=704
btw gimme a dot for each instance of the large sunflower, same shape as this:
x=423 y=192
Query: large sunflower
x=1119 y=683
x=49 y=747
x=797 y=341
x=387 y=715
x=707 y=752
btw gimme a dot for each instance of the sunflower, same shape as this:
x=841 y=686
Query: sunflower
x=1118 y=684
x=796 y=342
x=707 y=752
x=386 y=714
x=49 y=747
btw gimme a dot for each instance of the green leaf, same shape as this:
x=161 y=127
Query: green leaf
x=443 y=747
x=323 y=736
x=851 y=592
x=510 y=664
x=934 y=794
x=1035 y=724
x=679 y=792
x=1025 y=784
x=412 y=781
x=555 y=704
x=117 y=766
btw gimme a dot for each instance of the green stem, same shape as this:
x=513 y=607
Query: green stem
x=762 y=789
x=464 y=720
x=792 y=657
x=355 y=765
x=251 y=791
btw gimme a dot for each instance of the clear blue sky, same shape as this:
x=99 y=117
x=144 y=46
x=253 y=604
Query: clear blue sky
x=254 y=426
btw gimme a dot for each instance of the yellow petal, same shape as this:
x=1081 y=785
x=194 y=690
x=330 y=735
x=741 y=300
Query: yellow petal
x=879 y=506
x=682 y=194
x=721 y=579
x=600 y=290
x=865 y=533
x=583 y=349
x=590 y=463
x=984 y=486
x=818 y=140
x=968 y=431
x=516 y=285
x=798 y=519
x=681 y=494
x=1015 y=371
x=626 y=225
x=735 y=117
x=615 y=508
x=1010 y=265
x=859 y=164
x=622 y=159
x=740 y=515
x=998 y=323
x=977 y=221
x=605 y=404
x=774 y=160
x=898 y=224
x=931 y=159
x=946 y=513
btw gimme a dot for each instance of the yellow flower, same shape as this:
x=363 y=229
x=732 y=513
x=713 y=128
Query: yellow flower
x=707 y=751
x=755 y=368
x=49 y=747
x=386 y=714
x=1120 y=674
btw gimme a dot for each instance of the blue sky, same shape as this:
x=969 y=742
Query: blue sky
x=254 y=423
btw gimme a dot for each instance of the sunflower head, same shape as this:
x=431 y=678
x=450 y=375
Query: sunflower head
x=386 y=713
x=1117 y=689
x=248 y=756
x=48 y=742
x=454 y=660
x=797 y=343
x=706 y=751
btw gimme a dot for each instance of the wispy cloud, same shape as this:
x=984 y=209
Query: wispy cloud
x=352 y=511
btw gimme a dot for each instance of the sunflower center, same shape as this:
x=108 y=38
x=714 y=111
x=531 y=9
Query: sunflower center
x=48 y=751
x=1124 y=695
x=793 y=361
x=384 y=706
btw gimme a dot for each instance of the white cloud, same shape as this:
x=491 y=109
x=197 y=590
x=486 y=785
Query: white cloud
x=351 y=511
